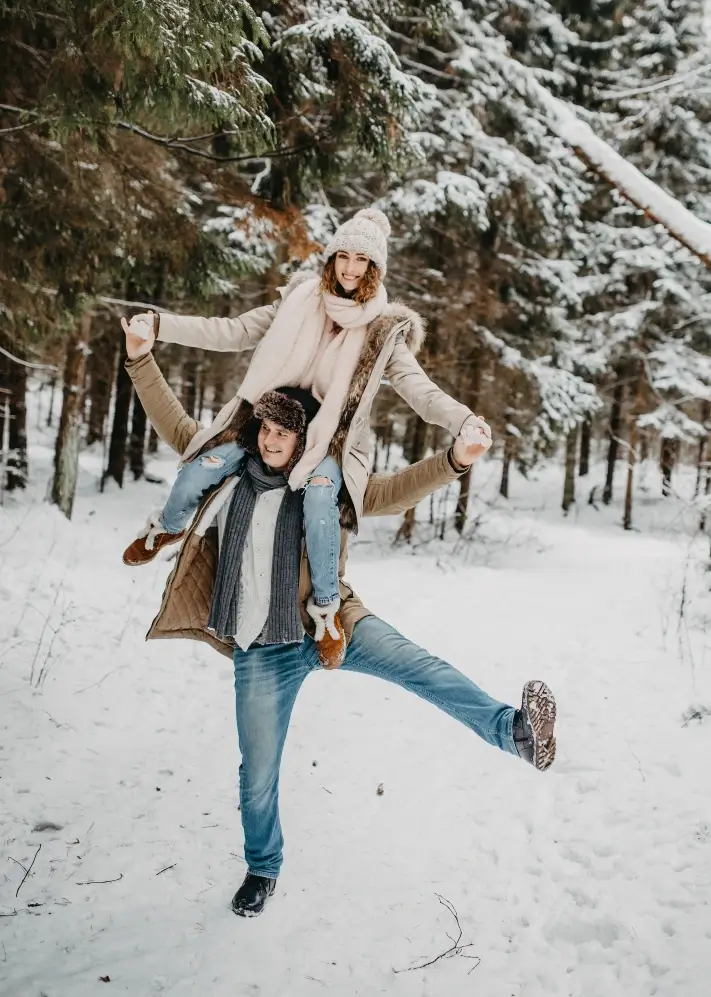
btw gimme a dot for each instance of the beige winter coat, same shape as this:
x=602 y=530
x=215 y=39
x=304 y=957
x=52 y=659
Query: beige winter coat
x=391 y=343
x=185 y=606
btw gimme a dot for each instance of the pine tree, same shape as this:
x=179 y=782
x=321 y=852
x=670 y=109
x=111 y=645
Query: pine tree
x=85 y=91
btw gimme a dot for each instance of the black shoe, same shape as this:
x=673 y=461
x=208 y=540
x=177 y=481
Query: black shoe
x=250 y=898
x=533 y=726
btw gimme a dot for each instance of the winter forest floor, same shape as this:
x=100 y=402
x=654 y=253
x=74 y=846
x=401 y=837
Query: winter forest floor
x=590 y=881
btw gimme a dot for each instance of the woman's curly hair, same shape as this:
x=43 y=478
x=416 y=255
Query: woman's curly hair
x=367 y=286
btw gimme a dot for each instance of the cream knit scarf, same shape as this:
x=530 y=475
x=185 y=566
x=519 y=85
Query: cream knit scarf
x=287 y=352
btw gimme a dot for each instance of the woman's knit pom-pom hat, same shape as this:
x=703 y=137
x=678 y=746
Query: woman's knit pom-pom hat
x=366 y=232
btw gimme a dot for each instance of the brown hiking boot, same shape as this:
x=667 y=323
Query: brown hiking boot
x=138 y=553
x=534 y=724
x=331 y=651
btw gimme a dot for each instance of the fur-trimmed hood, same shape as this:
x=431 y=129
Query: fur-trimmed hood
x=395 y=312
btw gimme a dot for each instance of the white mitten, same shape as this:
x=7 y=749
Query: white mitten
x=324 y=618
x=142 y=325
x=152 y=528
x=475 y=432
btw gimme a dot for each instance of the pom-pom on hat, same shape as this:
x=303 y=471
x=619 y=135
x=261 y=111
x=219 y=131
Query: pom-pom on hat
x=366 y=232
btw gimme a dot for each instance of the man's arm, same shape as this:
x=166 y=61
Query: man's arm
x=388 y=494
x=164 y=411
x=243 y=332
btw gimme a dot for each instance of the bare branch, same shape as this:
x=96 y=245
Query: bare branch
x=19 y=128
x=25 y=363
x=452 y=78
x=664 y=83
x=455 y=948
x=95 y=882
x=18 y=110
x=27 y=871
x=173 y=143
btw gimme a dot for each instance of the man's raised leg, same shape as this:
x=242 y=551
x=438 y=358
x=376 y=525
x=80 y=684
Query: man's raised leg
x=378 y=649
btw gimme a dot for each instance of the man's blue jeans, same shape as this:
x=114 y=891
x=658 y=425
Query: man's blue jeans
x=267 y=681
x=321 y=519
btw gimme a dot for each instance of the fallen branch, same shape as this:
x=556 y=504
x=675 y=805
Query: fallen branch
x=455 y=948
x=166 y=868
x=639 y=190
x=98 y=882
x=27 y=871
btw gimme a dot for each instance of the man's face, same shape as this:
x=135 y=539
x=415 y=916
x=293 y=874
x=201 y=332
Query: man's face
x=350 y=268
x=276 y=444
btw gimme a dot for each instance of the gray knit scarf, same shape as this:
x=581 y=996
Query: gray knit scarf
x=283 y=624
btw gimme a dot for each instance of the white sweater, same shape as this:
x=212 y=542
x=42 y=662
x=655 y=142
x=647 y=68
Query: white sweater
x=257 y=559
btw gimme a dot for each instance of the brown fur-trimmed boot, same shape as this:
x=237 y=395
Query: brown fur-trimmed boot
x=330 y=637
x=146 y=547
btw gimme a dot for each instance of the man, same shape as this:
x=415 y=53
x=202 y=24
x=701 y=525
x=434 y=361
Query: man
x=242 y=582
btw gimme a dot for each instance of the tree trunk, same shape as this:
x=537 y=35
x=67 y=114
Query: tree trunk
x=506 y=466
x=5 y=393
x=585 y=439
x=387 y=444
x=100 y=369
x=414 y=451
x=14 y=380
x=465 y=480
x=643 y=446
x=707 y=492
x=703 y=447
x=50 y=412
x=571 y=453
x=460 y=513
x=666 y=464
x=4 y=421
x=202 y=380
x=152 y=441
x=119 y=431
x=215 y=376
x=66 y=454
x=190 y=378
x=138 y=439
x=632 y=452
x=614 y=433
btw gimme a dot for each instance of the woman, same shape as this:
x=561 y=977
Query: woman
x=336 y=335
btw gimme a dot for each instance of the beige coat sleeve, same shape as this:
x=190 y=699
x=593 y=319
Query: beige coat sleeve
x=223 y=334
x=389 y=494
x=422 y=394
x=164 y=411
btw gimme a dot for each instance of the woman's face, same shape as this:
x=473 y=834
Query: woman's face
x=350 y=268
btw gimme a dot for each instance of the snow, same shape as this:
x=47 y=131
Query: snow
x=590 y=880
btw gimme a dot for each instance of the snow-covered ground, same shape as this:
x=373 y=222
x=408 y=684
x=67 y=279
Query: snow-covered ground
x=592 y=880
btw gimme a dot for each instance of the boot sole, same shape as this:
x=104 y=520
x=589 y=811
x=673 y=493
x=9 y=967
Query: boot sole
x=538 y=704
x=247 y=913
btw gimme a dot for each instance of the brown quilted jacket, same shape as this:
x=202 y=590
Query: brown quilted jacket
x=186 y=600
